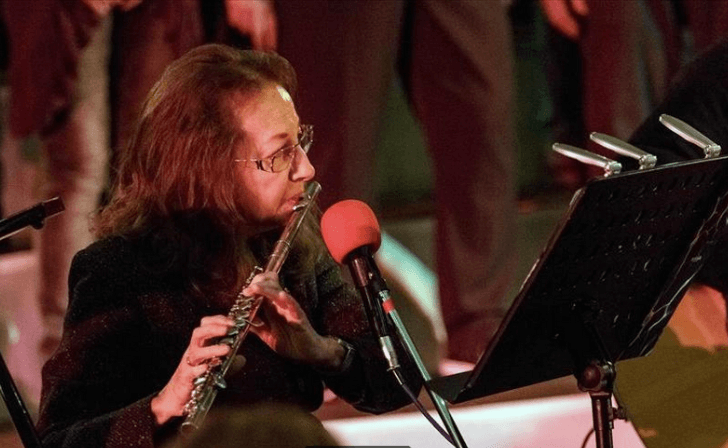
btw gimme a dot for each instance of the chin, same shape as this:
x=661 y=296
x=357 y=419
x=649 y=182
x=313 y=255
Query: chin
x=278 y=220
x=284 y=217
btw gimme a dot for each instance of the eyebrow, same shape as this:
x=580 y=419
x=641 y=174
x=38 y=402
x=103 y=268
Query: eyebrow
x=283 y=136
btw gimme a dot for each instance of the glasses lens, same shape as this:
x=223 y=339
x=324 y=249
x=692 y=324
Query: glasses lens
x=306 y=137
x=283 y=160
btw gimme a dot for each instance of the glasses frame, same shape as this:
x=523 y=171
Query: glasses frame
x=305 y=140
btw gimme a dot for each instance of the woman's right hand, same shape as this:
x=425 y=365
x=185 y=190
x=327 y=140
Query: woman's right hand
x=170 y=402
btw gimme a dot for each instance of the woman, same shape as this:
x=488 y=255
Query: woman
x=211 y=176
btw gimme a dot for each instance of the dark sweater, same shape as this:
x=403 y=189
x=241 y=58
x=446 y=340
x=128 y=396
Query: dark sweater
x=127 y=328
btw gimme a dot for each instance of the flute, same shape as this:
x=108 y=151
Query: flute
x=243 y=313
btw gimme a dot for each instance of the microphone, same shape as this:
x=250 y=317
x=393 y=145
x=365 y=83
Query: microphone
x=32 y=216
x=352 y=235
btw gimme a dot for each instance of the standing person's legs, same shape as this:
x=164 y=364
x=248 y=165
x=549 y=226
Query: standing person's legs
x=19 y=172
x=707 y=22
x=343 y=53
x=75 y=156
x=625 y=68
x=461 y=84
x=146 y=39
x=19 y=175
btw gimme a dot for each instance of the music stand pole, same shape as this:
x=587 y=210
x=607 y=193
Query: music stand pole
x=598 y=380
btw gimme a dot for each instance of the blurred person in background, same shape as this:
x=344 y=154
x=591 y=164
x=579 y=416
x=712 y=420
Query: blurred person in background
x=454 y=59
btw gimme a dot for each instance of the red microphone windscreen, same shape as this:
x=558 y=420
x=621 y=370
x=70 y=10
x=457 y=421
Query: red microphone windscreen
x=349 y=225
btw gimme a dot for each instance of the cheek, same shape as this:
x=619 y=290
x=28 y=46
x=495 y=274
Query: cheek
x=246 y=193
x=260 y=198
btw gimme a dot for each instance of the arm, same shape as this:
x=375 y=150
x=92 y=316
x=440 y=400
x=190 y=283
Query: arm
x=124 y=369
x=334 y=311
x=94 y=391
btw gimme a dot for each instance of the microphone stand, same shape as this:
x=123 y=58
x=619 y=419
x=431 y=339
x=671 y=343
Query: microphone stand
x=34 y=217
x=379 y=303
x=438 y=401
x=17 y=410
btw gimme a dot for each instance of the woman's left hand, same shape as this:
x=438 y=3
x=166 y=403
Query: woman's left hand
x=285 y=328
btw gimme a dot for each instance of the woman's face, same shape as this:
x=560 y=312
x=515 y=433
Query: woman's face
x=269 y=121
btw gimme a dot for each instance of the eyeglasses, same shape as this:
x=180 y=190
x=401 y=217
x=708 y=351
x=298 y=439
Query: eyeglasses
x=282 y=159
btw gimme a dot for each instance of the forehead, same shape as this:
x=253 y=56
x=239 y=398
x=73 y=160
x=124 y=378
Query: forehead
x=265 y=114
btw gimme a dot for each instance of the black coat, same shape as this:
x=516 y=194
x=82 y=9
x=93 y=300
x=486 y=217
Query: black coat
x=127 y=328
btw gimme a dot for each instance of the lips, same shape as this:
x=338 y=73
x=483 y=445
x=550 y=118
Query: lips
x=293 y=200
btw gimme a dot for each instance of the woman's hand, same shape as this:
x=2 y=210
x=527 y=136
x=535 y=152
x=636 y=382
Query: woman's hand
x=566 y=16
x=170 y=402
x=255 y=19
x=284 y=327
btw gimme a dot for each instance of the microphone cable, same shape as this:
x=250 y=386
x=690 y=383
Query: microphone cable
x=418 y=404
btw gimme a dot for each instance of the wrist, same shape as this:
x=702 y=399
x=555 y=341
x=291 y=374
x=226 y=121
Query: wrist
x=341 y=355
x=161 y=410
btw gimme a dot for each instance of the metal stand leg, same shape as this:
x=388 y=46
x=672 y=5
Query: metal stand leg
x=16 y=408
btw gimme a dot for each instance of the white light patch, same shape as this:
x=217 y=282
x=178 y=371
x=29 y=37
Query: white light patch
x=284 y=94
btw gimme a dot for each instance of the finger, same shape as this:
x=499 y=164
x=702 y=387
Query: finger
x=195 y=372
x=216 y=319
x=265 y=277
x=182 y=382
x=264 y=333
x=560 y=17
x=580 y=7
x=267 y=281
x=203 y=355
x=202 y=336
x=284 y=305
x=266 y=289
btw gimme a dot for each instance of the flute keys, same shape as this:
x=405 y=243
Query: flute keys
x=220 y=382
x=227 y=341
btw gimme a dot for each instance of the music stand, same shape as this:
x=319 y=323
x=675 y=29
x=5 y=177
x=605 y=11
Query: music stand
x=606 y=284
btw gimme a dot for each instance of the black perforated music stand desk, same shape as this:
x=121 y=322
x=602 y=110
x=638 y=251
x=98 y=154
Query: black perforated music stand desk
x=608 y=280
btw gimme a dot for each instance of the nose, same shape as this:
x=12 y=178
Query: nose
x=301 y=168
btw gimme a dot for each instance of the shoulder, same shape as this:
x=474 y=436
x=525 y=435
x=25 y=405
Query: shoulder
x=104 y=275
x=106 y=255
x=699 y=96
